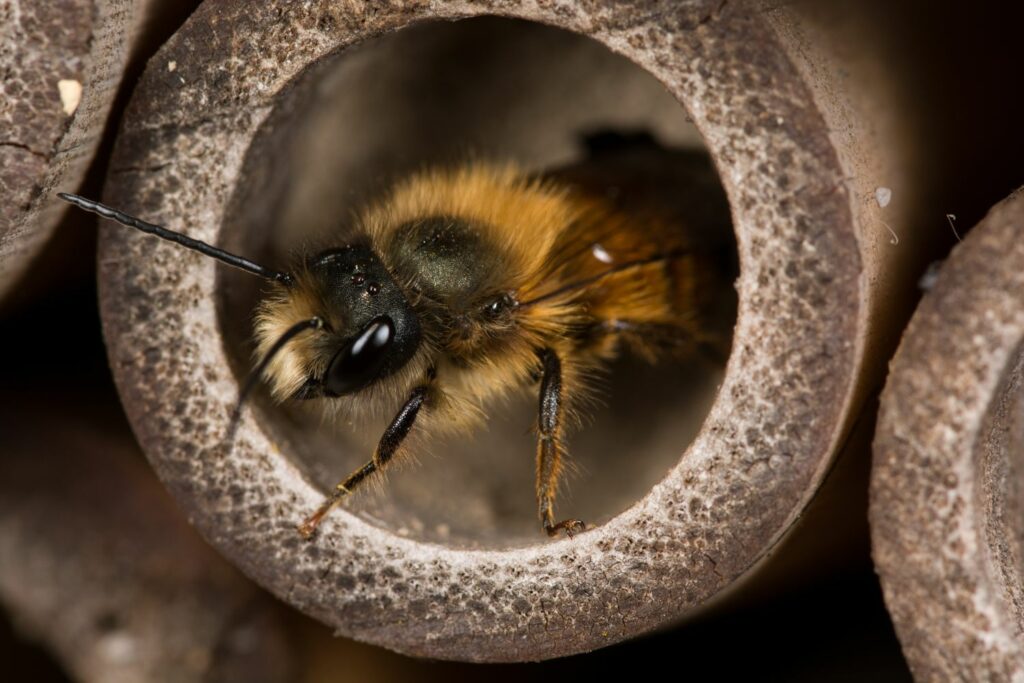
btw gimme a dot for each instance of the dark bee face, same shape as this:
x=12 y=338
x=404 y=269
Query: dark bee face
x=370 y=314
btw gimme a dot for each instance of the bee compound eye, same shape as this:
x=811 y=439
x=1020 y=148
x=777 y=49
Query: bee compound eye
x=494 y=308
x=499 y=305
x=361 y=361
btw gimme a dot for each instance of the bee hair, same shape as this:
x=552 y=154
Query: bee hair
x=314 y=323
x=583 y=284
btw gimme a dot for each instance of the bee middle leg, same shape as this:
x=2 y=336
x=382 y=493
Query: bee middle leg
x=393 y=437
x=551 y=447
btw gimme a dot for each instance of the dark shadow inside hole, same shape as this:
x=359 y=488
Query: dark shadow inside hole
x=557 y=104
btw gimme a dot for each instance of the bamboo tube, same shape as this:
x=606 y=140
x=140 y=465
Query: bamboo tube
x=62 y=65
x=948 y=477
x=98 y=565
x=807 y=133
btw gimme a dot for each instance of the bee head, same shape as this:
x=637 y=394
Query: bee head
x=368 y=329
x=375 y=327
x=332 y=329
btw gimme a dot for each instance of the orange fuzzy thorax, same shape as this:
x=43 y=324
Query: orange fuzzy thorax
x=542 y=237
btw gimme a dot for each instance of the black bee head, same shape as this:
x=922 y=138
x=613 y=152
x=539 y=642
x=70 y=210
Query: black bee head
x=369 y=314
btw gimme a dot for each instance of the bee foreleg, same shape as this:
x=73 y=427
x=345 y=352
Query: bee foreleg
x=393 y=436
x=550 y=446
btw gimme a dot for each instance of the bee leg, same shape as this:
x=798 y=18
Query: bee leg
x=550 y=448
x=393 y=436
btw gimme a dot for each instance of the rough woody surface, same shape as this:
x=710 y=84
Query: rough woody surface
x=948 y=479
x=786 y=141
x=61 y=64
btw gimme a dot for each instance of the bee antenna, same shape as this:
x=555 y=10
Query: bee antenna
x=314 y=323
x=176 y=237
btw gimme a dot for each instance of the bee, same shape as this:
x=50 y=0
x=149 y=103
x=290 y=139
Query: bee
x=461 y=285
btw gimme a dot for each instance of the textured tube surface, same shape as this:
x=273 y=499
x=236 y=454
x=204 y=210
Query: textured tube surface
x=948 y=475
x=61 y=64
x=799 y=151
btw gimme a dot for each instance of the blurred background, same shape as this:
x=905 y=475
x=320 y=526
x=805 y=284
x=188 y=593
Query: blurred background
x=59 y=405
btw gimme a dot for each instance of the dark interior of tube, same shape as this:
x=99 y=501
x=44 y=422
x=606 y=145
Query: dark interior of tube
x=441 y=93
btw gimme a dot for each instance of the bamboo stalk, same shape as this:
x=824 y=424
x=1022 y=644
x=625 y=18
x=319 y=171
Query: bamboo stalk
x=948 y=477
x=807 y=132
x=62 y=65
x=98 y=564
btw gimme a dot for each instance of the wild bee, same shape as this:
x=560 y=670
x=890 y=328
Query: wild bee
x=459 y=286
